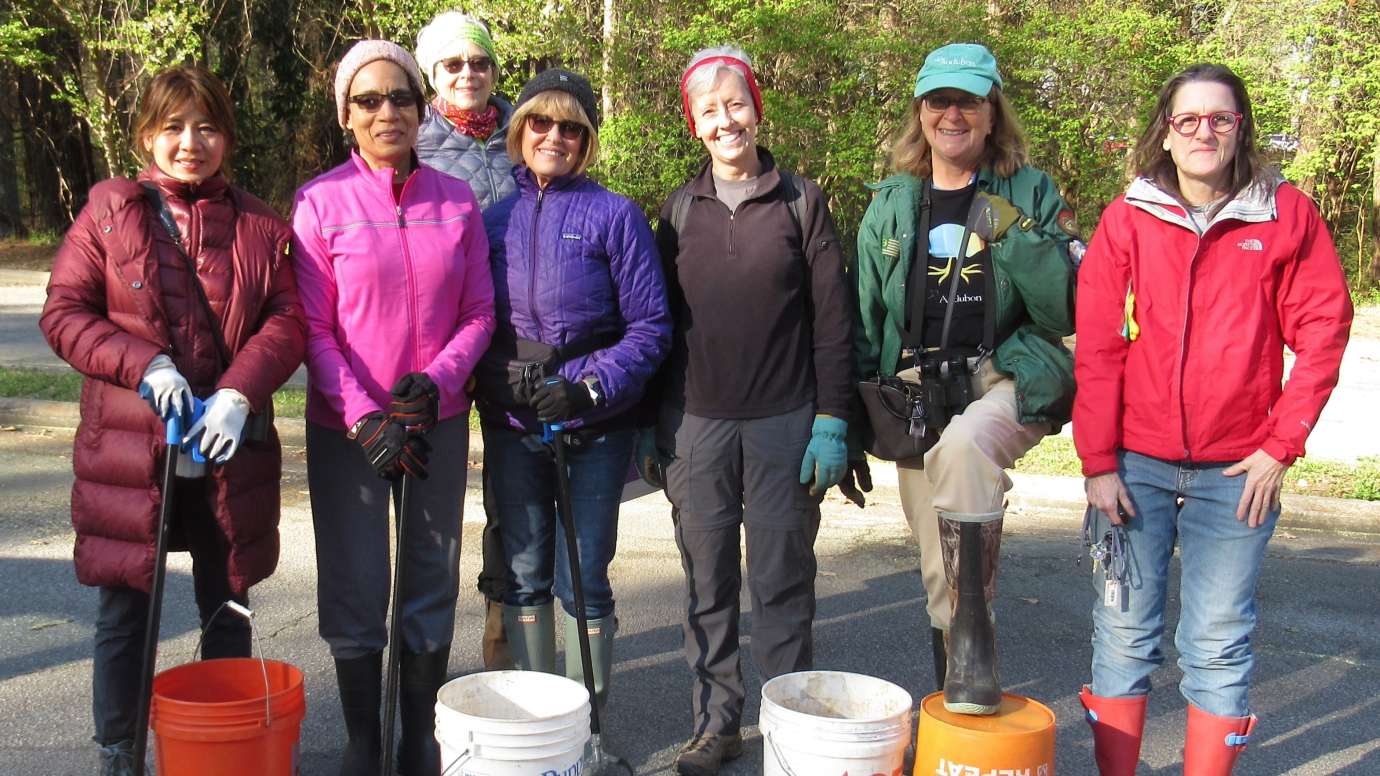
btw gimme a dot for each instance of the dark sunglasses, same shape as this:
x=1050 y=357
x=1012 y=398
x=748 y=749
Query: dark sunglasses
x=370 y=102
x=1221 y=122
x=570 y=130
x=477 y=65
x=968 y=103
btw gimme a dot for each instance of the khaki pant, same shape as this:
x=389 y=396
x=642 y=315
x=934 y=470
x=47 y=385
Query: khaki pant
x=964 y=475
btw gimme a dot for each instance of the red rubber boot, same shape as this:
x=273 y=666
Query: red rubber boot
x=1117 y=725
x=1212 y=742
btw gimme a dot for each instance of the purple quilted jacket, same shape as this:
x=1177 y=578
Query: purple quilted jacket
x=572 y=261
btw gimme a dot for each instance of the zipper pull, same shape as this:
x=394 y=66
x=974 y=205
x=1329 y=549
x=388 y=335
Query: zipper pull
x=401 y=221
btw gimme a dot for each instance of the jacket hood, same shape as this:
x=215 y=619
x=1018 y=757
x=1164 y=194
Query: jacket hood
x=1254 y=204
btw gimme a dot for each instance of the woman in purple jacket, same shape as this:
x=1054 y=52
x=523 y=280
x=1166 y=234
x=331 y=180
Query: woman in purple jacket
x=575 y=266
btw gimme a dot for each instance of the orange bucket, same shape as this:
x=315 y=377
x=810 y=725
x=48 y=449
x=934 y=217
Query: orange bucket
x=1016 y=741
x=227 y=717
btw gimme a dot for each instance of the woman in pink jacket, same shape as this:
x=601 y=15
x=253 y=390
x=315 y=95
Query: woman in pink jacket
x=1197 y=279
x=393 y=268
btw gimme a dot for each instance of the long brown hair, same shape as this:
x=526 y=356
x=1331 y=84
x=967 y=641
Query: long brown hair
x=174 y=87
x=1005 y=151
x=1150 y=160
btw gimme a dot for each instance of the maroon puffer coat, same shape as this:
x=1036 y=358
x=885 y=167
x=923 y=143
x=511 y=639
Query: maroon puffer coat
x=119 y=295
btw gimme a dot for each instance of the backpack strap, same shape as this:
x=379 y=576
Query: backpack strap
x=680 y=209
x=795 y=200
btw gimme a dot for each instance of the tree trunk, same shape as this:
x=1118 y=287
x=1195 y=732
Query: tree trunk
x=606 y=92
x=1375 y=212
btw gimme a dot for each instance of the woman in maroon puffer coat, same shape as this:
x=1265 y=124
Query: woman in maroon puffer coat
x=125 y=310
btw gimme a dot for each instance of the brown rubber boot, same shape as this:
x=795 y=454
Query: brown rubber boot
x=497 y=655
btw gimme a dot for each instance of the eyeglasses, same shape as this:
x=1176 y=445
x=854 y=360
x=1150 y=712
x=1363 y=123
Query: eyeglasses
x=478 y=65
x=570 y=130
x=1222 y=122
x=370 y=102
x=968 y=103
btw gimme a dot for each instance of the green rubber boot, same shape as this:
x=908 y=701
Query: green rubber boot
x=532 y=636
x=601 y=632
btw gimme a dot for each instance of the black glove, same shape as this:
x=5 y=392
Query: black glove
x=412 y=461
x=416 y=402
x=558 y=399
x=852 y=489
x=383 y=441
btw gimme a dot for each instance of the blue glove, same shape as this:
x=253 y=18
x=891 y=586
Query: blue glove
x=826 y=457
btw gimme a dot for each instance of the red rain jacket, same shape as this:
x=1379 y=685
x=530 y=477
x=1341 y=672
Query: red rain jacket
x=1202 y=381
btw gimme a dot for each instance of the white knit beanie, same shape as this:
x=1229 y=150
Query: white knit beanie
x=442 y=38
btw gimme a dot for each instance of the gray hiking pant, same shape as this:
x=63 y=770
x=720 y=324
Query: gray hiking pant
x=727 y=474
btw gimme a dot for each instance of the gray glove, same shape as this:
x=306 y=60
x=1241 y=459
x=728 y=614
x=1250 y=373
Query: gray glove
x=165 y=388
x=220 y=425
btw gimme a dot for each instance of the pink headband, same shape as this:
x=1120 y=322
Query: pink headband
x=726 y=60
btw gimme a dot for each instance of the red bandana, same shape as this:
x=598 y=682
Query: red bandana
x=477 y=125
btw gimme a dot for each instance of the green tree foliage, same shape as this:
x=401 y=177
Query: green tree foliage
x=836 y=74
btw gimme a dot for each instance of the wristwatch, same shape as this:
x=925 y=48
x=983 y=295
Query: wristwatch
x=595 y=391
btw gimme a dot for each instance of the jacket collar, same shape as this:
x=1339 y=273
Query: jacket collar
x=986 y=179
x=702 y=185
x=381 y=178
x=1254 y=204
x=211 y=188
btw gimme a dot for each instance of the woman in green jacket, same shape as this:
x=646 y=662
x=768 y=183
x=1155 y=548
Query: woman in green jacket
x=964 y=276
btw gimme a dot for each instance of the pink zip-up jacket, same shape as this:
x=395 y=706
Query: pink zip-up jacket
x=390 y=286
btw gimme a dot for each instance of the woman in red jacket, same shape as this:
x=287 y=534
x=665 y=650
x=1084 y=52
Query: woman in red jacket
x=1197 y=279
x=209 y=312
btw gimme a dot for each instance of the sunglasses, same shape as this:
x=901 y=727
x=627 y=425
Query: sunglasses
x=370 y=102
x=968 y=103
x=570 y=130
x=1222 y=122
x=478 y=65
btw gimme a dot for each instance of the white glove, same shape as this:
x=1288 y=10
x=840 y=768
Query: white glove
x=220 y=425
x=165 y=388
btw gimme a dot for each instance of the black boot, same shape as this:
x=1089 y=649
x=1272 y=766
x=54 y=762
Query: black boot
x=360 y=693
x=970 y=564
x=421 y=677
x=941 y=655
x=117 y=759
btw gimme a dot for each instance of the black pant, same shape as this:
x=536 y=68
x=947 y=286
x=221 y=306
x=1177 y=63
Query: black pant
x=123 y=616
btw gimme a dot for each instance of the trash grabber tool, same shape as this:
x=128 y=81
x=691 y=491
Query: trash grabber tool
x=173 y=438
x=601 y=761
x=390 y=697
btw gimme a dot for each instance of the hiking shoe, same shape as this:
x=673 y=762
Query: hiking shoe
x=702 y=755
x=117 y=759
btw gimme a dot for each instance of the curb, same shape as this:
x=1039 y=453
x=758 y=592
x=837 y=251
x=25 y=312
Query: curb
x=38 y=413
x=1032 y=491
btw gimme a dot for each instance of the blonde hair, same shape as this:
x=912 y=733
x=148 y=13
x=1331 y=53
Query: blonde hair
x=1005 y=151
x=560 y=106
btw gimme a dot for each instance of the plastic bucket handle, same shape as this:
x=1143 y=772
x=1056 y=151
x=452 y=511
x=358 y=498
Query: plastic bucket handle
x=247 y=614
x=781 y=761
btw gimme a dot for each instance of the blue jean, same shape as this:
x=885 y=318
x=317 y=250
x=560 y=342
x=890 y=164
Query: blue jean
x=523 y=481
x=1220 y=563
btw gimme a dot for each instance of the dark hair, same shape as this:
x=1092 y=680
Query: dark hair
x=1149 y=159
x=1005 y=150
x=176 y=86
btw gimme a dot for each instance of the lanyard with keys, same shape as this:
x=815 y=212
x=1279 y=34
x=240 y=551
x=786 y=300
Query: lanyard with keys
x=1110 y=554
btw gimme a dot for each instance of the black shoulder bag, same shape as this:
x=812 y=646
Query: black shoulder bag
x=257 y=425
x=898 y=425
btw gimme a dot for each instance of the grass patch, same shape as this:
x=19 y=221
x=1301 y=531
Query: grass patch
x=1055 y=456
x=64 y=385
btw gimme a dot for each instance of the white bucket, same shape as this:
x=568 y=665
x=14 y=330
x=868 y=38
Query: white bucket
x=829 y=723
x=512 y=723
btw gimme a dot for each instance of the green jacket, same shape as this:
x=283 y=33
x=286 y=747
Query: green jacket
x=1032 y=282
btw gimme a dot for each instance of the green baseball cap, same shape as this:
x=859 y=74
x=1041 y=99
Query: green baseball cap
x=967 y=66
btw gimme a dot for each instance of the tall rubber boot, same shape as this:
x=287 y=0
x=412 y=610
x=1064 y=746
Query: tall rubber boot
x=970 y=568
x=531 y=636
x=1117 y=726
x=497 y=655
x=601 y=633
x=1212 y=742
x=420 y=678
x=941 y=655
x=360 y=680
